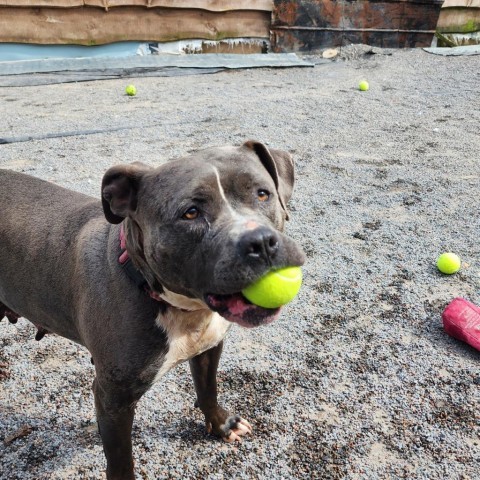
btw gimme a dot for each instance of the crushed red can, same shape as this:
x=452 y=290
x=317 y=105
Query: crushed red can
x=461 y=320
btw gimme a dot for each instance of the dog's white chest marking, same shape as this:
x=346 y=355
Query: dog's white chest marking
x=189 y=333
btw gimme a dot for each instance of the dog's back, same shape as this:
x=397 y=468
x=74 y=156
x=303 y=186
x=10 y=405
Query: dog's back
x=38 y=221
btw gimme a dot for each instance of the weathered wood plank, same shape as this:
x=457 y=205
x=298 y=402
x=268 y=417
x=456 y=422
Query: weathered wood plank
x=93 y=26
x=356 y=14
x=310 y=41
x=211 y=5
x=461 y=3
x=459 y=20
x=304 y=25
x=42 y=3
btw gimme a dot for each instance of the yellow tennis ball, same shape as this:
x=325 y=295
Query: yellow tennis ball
x=449 y=263
x=276 y=288
x=131 y=90
x=363 y=86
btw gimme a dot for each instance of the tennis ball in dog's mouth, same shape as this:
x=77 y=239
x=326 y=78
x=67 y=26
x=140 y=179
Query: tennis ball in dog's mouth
x=131 y=90
x=276 y=288
x=363 y=86
x=449 y=263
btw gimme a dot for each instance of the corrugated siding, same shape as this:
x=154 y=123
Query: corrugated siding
x=96 y=22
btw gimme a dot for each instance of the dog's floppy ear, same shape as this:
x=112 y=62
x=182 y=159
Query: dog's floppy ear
x=120 y=186
x=279 y=165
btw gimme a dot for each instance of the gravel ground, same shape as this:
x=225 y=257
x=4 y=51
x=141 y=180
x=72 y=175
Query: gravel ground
x=357 y=379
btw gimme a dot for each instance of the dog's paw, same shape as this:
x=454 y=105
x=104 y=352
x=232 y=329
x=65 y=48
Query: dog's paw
x=228 y=427
x=235 y=428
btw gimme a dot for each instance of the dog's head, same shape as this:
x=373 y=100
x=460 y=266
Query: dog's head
x=208 y=225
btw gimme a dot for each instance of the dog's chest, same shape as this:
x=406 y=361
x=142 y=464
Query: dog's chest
x=189 y=334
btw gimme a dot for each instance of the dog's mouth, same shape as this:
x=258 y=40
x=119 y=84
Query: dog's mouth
x=236 y=308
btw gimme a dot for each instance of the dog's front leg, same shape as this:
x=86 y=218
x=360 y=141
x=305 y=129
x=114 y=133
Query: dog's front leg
x=218 y=421
x=115 y=412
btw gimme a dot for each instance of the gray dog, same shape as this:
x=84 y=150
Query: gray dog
x=157 y=284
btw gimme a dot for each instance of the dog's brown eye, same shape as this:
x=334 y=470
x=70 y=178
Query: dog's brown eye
x=191 y=214
x=263 y=195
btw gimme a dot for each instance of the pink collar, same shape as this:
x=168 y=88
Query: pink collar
x=123 y=245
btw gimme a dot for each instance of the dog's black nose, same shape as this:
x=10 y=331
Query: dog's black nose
x=260 y=243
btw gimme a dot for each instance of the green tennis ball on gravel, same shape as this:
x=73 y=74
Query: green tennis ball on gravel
x=276 y=288
x=363 y=86
x=449 y=263
x=130 y=90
